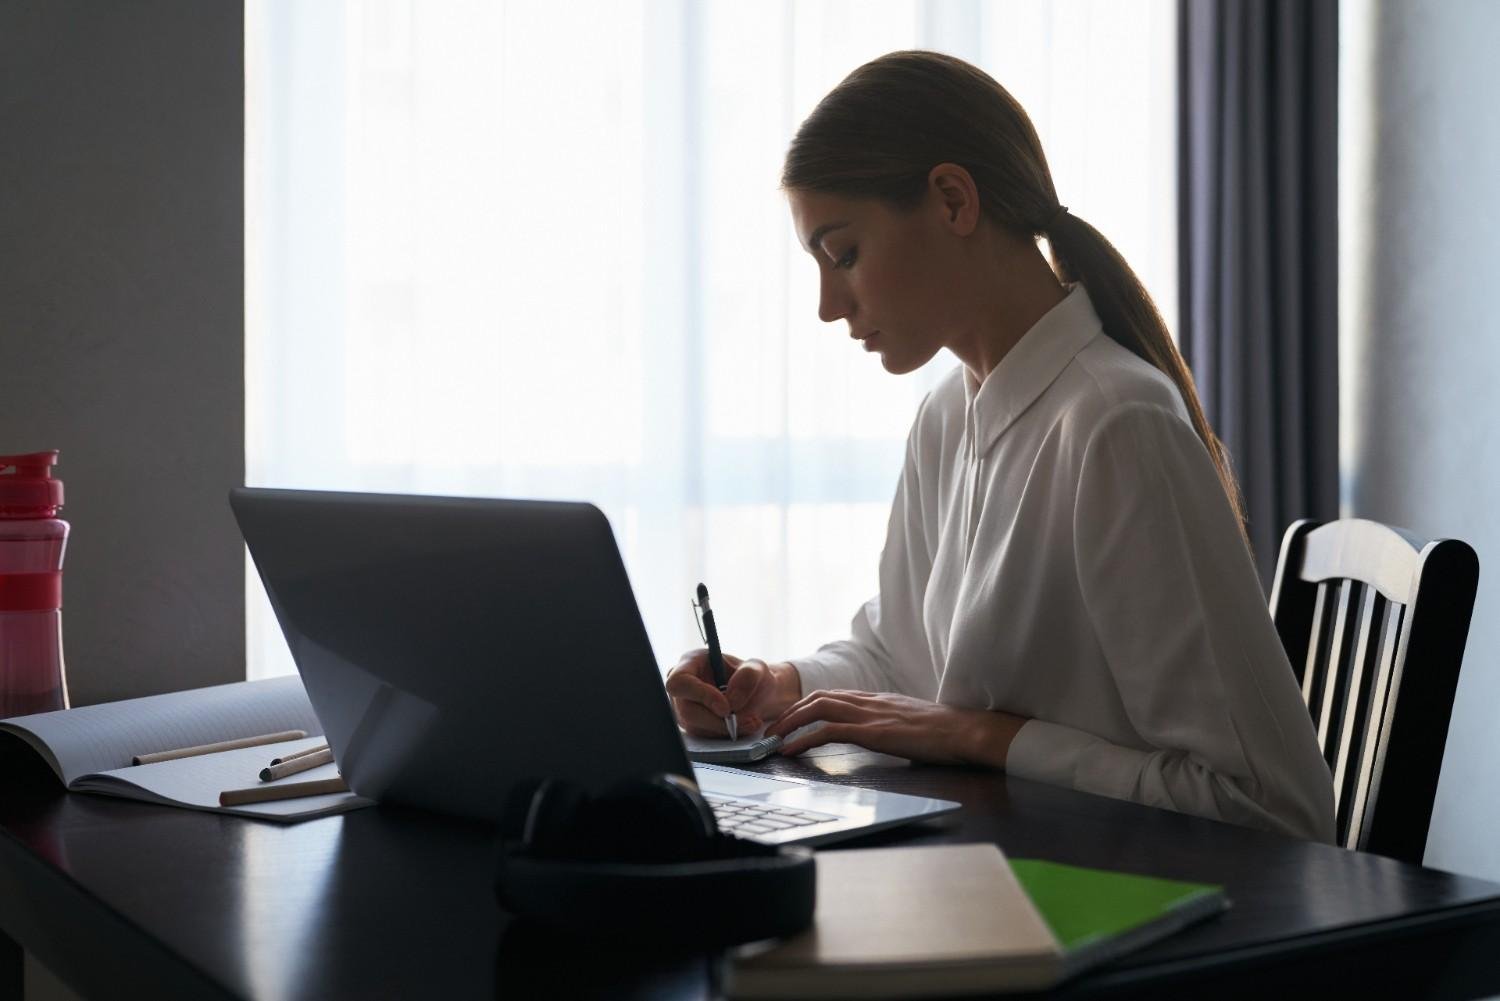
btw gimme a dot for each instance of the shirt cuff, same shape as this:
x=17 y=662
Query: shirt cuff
x=1063 y=756
x=815 y=674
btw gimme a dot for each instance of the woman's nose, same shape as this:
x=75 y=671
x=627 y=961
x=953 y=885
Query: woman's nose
x=833 y=301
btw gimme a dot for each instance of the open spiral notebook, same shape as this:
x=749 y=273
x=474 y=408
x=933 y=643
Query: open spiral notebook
x=713 y=751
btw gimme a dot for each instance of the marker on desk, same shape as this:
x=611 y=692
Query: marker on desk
x=716 y=656
x=299 y=763
x=300 y=754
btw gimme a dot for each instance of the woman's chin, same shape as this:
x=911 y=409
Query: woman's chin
x=898 y=363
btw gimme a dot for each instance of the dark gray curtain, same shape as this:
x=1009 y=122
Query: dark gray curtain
x=1258 y=246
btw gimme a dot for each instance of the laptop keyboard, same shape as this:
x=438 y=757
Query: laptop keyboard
x=751 y=816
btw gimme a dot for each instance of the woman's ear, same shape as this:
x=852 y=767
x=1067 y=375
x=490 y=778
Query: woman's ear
x=953 y=191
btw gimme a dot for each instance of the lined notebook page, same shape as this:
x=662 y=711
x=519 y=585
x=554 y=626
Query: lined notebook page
x=105 y=737
x=197 y=781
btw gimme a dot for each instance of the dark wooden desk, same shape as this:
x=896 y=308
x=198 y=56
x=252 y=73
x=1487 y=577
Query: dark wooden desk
x=123 y=899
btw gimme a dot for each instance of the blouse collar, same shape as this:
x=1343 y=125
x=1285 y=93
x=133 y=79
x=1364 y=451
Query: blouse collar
x=1030 y=366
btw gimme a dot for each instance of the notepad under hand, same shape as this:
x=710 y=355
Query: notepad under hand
x=714 y=751
x=926 y=920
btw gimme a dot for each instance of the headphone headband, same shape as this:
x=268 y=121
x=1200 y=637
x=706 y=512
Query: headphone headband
x=770 y=895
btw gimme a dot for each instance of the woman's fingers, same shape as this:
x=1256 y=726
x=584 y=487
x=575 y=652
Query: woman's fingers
x=687 y=689
x=830 y=733
x=849 y=695
x=745 y=683
x=699 y=705
x=687 y=684
x=699 y=720
x=834 y=707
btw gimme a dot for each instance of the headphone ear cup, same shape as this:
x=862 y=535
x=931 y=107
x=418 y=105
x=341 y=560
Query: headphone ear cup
x=659 y=819
x=703 y=822
x=550 y=828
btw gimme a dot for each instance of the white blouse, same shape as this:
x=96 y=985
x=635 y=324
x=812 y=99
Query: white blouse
x=1060 y=547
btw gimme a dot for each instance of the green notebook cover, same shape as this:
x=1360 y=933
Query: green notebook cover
x=1097 y=914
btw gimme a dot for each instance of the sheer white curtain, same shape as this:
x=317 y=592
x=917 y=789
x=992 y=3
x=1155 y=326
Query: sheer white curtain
x=531 y=249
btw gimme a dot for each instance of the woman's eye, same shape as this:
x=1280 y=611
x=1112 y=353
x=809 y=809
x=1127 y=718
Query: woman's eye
x=847 y=259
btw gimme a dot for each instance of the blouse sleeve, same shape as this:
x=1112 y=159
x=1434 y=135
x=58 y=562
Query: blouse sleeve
x=1178 y=612
x=886 y=639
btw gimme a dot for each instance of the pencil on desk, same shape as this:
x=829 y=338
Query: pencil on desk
x=298 y=754
x=298 y=763
x=223 y=745
x=292 y=790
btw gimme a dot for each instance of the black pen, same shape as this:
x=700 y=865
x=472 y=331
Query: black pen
x=716 y=656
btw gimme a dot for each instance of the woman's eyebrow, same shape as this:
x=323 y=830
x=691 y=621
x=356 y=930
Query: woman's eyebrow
x=822 y=231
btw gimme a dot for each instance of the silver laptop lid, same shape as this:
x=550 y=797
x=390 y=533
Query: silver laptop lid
x=453 y=647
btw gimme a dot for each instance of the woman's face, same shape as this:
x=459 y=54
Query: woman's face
x=885 y=271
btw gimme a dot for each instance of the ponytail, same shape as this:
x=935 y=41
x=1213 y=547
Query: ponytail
x=1080 y=253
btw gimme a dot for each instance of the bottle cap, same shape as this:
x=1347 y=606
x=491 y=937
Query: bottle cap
x=27 y=489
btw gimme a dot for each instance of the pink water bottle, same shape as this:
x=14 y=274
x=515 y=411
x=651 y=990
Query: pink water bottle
x=32 y=538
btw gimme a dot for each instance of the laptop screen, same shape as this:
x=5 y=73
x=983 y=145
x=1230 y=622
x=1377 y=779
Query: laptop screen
x=454 y=647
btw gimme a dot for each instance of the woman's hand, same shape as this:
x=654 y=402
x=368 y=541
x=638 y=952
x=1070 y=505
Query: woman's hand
x=755 y=692
x=900 y=725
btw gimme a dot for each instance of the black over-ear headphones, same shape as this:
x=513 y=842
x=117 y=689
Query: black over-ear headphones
x=645 y=860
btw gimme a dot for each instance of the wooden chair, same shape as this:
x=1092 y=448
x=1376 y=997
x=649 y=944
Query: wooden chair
x=1374 y=622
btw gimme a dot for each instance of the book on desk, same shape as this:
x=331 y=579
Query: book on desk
x=91 y=748
x=928 y=920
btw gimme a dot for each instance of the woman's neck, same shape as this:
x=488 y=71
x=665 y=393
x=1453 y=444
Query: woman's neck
x=1008 y=308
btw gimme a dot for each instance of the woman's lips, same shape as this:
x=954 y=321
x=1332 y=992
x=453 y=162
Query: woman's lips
x=869 y=340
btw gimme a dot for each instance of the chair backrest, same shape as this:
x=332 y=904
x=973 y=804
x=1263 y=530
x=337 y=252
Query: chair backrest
x=1374 y=622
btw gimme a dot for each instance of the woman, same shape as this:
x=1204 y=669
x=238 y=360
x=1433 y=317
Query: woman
x=1065 y=591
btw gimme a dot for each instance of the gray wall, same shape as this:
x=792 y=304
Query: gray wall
x=1420 y=344
x=121 y=322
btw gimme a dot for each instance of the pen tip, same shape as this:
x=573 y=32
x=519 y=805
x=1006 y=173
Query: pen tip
x=702 y=592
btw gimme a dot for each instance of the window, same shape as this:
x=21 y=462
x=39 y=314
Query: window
x=521 y=248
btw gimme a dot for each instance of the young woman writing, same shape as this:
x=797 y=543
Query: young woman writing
x=1065 y=589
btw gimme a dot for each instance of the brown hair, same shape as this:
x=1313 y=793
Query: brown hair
x=880 y=132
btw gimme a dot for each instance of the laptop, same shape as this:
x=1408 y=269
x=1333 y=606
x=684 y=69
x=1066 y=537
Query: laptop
x=455 y=647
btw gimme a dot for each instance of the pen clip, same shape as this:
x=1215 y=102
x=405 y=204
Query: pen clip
x=698 y=618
